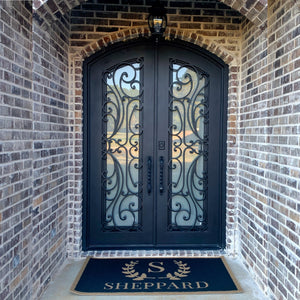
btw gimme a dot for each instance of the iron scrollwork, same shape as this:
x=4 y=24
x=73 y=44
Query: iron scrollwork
x=188 y=139
x=122 y=120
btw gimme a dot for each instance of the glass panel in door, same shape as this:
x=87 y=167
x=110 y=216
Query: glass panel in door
x=122 y=145
x=188 y=130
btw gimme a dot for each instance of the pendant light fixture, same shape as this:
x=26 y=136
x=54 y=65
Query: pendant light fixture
x=157 y=20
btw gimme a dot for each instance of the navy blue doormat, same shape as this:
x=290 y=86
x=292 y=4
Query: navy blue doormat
x=100 y=276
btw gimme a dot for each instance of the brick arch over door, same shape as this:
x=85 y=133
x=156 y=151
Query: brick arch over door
x=76 y=101
x=254 y=10
x=184 y=35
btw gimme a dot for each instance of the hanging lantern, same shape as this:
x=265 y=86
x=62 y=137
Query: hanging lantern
x=157 y=19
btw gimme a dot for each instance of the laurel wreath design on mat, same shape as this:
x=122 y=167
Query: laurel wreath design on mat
x=183 y=270
x=130 y=272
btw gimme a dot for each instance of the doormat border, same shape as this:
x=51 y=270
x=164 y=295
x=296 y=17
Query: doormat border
x=73 y=286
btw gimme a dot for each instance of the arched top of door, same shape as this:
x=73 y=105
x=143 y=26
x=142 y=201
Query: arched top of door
x=254 y=10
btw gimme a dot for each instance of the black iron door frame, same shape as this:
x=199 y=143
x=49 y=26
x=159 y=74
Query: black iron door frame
x=156 y=171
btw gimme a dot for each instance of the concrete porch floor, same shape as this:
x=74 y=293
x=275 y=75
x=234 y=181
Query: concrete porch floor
x=59 y=288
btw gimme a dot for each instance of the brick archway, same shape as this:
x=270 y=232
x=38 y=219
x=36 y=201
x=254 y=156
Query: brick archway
x=254 y=10
x=184 y=35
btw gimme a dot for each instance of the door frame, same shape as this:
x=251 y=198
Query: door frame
x=222 y=138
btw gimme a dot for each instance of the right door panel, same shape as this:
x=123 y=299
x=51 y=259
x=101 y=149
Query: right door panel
x=191 y=172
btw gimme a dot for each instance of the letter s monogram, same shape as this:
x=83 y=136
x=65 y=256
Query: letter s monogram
x=159 y=269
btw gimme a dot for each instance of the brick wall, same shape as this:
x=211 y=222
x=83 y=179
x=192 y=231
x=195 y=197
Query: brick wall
x=33 y=151
x=269 y=161
x=214 y=21
x=253 y=10
x=16 y=154
x=50 y=150
x=253 y=200
x=41 y=129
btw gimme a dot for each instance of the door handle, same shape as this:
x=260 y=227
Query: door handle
x=161 y=174
x=149 y=175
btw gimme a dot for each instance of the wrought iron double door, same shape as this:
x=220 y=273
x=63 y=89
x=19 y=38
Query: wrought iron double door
x=154 y=128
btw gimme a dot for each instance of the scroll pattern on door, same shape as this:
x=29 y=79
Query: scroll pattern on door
x=188 y=139
x=122 y=118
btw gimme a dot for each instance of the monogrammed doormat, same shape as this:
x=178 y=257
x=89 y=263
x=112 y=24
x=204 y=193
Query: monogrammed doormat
x=100 y=276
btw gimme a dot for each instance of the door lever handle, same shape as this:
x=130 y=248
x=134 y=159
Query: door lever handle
x=149 y=175
x=161 y=174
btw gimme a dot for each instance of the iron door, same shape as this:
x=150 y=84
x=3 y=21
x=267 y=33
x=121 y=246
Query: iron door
x=154 y=129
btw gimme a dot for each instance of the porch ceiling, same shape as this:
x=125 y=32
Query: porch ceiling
x=254 y=10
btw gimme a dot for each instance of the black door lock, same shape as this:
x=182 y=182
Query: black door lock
x=161 y=145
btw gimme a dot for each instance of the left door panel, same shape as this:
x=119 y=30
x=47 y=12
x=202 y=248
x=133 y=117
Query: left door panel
x=116 y=162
